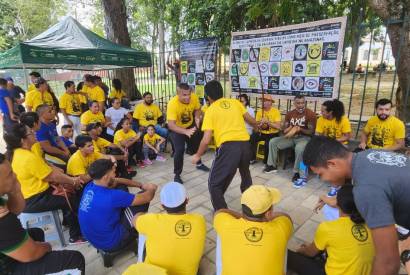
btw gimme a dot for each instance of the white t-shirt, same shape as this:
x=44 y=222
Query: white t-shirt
x=115 y=115
x=251 y=111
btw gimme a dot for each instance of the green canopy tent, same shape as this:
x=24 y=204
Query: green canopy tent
x=68 y=45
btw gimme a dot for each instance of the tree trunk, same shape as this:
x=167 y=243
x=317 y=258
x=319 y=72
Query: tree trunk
x=399 y=35
x=355 y=52
x=161 y=48
x=117 y=31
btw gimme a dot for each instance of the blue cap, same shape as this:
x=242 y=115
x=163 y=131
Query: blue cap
x=172 y=194
x=9 y=79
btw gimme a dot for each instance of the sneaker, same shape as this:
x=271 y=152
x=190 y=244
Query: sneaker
x=78 y=240
x=252 y=161
x=202 y=167
x=295 y=177
x=141 y=164
x=177 y=178
x=147 y=162
x=269 y=169
x=160 y=158
x=333 y=191
x=299 y=183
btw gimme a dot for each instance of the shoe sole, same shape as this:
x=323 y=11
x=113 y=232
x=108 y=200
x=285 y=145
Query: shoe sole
x=270 y=172
x=298 y=186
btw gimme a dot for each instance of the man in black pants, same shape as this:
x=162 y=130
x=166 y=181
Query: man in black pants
x=24 y=251
x=225 y=119
x=183 y=115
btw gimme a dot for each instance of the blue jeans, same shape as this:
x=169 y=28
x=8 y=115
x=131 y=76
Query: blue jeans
x=163 y=132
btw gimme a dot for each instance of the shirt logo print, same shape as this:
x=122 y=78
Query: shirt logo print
x=183 y=228
x=253 y=234
x=360 y=233
x=86 y=201
x=387 y=158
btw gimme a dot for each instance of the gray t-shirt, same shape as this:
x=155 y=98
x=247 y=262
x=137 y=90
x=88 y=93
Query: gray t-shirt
x=381 y=189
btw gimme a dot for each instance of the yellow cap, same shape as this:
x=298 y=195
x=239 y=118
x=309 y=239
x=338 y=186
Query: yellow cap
x=259 y=198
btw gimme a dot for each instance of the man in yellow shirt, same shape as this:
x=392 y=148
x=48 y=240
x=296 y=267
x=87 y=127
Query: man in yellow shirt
x=347 y=241
x=94 y=92
x=231 y=139
x=383 y=131
x=183 y=115
x=70 y=106
x=255 y=241
x=174 y=240
x=269 y=118
x=33 y=78
x=93 y=115
x=147 y=113
x=38 y=96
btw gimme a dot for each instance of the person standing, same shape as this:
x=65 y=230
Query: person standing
x=17 y=94
x=299 y=126
x=183 y=114
x=94 y=92
x=6 y=106
x=70 y=106
x=39 y=96
x=232 y=141
x=269 y=118
x=381 y=188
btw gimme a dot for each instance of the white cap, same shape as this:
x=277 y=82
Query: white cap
x=172 y=194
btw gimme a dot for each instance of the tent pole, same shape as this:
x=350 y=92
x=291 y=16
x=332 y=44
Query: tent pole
x=25 y=76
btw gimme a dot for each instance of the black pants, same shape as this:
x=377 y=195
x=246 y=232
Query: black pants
x=255 y=138
x=304 y=265
x=179 y=141
x=46 y=201
x=52 y=262
x=229 y=157
x=126 y=221
x=121 y=170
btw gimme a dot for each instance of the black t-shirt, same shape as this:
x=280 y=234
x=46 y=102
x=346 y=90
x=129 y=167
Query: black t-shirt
x=12 y=236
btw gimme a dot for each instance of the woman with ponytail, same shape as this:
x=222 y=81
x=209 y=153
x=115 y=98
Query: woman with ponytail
x=347 y=242
x=35 y=175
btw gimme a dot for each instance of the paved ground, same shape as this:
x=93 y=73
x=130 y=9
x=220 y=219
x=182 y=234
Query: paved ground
x=298 y=203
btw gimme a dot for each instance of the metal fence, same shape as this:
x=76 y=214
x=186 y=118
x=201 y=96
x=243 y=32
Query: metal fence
x=358 y=91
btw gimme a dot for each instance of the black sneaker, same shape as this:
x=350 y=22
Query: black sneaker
x=78 y=240
x=202 y=167
x=295 y=177
x=177 y=178
x=269 y=169
x=252 y=161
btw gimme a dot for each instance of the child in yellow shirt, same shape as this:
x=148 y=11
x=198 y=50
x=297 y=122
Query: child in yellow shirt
x=153 y=144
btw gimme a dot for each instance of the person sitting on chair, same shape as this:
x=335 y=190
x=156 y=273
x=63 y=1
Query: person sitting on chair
x=107 y=210
x=174 y=240
x=24 y=251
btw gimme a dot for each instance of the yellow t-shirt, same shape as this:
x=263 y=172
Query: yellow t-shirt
x=183 y=114
x=36 y=98
x=71 y=103
x=120 y=135
x=173 y=242
x=37 y=150
x=152 y=140
x=100 y=144
x=78 y=164
x=88 y=117
x=117 y=93
x=204 y=108
x=273 y=115
x=31 y=88
x=147 y=114
x=332 y=128
x=95 y=93
x=225 y=118
x=257 y=248
x=349 y=247
x=31 y=170
x=383 y=133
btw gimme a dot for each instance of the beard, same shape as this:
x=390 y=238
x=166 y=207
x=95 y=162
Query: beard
x=148 y=102
x=382 y=116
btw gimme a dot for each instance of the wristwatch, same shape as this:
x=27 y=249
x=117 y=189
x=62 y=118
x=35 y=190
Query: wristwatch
x=405 y=256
